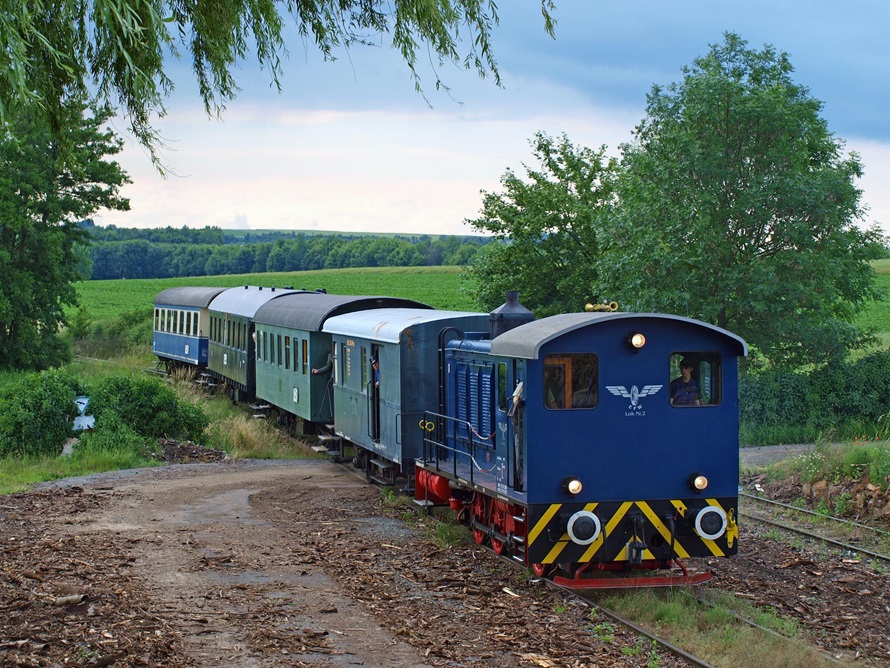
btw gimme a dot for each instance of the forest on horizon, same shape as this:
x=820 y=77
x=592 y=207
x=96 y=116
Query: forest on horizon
x=178 y=252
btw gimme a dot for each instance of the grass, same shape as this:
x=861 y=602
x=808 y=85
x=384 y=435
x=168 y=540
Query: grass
x=18 y=474
x=715 y=633
x=440 y=287
x=843 y=461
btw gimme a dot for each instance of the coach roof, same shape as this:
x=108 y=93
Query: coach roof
x=192 y=296
x=308 y=312
x=386 y=325
x=246 y=300
x=525 y=341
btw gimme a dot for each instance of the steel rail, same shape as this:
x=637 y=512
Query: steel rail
x=841 y=520
x=824 y=539
x=633 y=626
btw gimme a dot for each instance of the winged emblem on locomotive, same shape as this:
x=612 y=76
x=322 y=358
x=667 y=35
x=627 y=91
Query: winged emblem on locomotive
x=635 y=394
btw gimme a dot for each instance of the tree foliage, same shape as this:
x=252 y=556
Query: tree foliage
x=147 y=406
x=549 y=227
x=37 y=413
x=738 y=207
x=43 y=193
x=734 y=204
x=137 y=257
x=119 y=47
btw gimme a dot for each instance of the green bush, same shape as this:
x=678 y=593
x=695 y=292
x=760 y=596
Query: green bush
x=37 y=413
x=844 y=399
x=148 y=406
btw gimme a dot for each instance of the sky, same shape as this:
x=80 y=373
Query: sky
x=350 y=146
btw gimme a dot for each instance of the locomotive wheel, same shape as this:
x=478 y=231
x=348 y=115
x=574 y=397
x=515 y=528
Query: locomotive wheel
x=477 y=513
x=540 y=570
x=498 y=522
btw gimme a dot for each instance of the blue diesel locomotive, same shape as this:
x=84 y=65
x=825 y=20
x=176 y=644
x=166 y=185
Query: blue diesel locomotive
x=588 y=446
x=567 y=444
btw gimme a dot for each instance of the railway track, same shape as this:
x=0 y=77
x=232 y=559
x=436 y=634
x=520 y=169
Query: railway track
x=678 y=652
x=879 y=539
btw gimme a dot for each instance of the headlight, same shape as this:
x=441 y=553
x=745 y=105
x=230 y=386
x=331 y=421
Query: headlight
x=710 y=522
x=635 y=341
x=583 y=527
x=572 y=486
x=698 y=482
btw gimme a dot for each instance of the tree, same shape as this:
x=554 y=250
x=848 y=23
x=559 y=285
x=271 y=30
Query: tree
x=43 y=195
x=548 y=229
x=118 y=47
x=738 y=207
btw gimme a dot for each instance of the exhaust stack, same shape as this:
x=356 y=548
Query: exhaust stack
x=509 y=315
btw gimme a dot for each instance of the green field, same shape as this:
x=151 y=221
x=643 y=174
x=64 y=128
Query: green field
x=877 y=314
x=440 y=287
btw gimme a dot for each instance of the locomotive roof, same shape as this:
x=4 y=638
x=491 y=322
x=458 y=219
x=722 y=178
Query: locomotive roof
x=387 y=324
x=189 y=296
x=245 y=301
x=526 y=340
x=309 y=314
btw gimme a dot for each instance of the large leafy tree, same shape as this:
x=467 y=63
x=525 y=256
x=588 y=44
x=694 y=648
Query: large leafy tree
x=739 y=207
x=44 y=193
x=53 y=49
x=547 y=229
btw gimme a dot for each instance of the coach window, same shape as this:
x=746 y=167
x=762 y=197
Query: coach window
x=571 y=381
x=364 y=369
x=696 y=379
x=305 y=356
x=287 y=353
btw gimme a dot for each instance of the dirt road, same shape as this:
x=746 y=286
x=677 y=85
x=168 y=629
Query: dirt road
x=292 y=563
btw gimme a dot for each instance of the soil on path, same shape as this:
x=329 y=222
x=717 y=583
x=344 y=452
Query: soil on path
x=292 y=563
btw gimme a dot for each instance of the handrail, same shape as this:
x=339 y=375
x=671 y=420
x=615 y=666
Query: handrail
x=447 y=429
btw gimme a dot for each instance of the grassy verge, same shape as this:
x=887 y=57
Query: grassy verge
x=713 y=633
x=836 y=462
x=231 y=430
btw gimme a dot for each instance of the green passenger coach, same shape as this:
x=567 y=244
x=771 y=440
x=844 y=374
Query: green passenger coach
x=231 y=347
x=290 y=343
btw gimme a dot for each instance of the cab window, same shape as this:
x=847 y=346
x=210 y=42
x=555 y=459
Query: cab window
x=571 y=381
x=695 y=379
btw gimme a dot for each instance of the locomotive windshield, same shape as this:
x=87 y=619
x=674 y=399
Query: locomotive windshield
x=571 y=381
x=695 y=379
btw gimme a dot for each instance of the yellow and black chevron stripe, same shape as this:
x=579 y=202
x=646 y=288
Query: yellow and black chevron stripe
x=639 y=522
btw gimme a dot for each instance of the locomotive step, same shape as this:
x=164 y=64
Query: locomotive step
x=328 y=437
x=382 y=463
x=260 y=407
x=382 y=481
x=320 y=448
